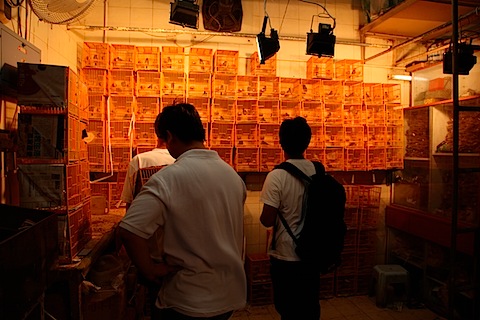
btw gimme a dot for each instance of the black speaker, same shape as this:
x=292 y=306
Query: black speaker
x=184 y=13
x=466 y=60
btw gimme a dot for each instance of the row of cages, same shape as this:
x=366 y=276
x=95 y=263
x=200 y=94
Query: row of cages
x=146 y=58
x=116 y=158
x=220 y=134
x=196 y=84
x=250 y=110
x=65 y=190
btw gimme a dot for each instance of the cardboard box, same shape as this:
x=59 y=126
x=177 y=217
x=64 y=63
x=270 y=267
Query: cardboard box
x=42 y=85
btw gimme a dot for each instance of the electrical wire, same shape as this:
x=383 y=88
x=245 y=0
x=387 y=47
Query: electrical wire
x=283 y=18
x=320 y=15
x=266 y=13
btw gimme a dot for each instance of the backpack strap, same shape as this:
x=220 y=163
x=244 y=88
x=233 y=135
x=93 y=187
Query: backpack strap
x=299 y=174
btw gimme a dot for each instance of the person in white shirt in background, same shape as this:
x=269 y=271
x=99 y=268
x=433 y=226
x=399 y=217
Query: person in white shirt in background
x=197 y=204
x=154 y=158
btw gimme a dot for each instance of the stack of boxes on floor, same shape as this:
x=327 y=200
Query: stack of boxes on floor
x=362 y=215
x=52 y=156
x=354 y=276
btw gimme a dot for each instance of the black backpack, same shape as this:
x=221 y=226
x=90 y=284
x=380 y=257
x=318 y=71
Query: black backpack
x=321 y=239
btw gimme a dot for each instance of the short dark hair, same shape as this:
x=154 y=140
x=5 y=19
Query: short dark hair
x=182 y=120
x=295 y=135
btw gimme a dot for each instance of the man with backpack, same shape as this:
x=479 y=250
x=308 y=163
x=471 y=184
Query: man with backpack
x=297 y=194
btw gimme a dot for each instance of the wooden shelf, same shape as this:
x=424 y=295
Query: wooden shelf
x=426 y=226
x=416 y=159
x=436 y=103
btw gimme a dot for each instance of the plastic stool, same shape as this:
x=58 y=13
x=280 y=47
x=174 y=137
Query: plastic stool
x=385 y=277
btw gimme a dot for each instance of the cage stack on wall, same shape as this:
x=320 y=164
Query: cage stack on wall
x=52 y=154
x=223 y=104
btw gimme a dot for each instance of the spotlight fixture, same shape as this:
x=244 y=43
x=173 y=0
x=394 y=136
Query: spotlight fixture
x=184 y=13
x=321 y=44
x=465 y=59
x=267 y=47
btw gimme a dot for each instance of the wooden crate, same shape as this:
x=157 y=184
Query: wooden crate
x=246 y=111
x=394 y=158
x=173 y=59
x=147 y=58
x=376 y=136
x=247 y=87
x=148 y=84
x=173 y=84
x=353 y=114
x=349 y=70
x=318 y=136
x=96 y=81
x=372 y=93
x=96 y=55
x=222 y=134
x=334 y=159
x=320 y=68
x=268 y=135
x=97 y=105
x=355 y=159
x=269 y=158
x=392 y=93
x=246 y=135
x=332 y=91
x=354 y=136
x=121 y=82
x=312 y=89
x=223 y=110
x=224 y=86
x=146 y=108
x=121 y=108
x=334 y=136
x=290 y=109
x=269 y=68
x=375 y=114
x=315 y=154
x=268 y=111
x=97 y=157
x=199 y=84
x=122 y=56
x=200 y=60
x=145 y=133
x=268 y=87
x=394 y=114
x=121 y=132
x=247 y=160
x=226 y=62
x=352 y=92
x=394 y=136
x=290 y=88
x=312 y=110
x=376 y=158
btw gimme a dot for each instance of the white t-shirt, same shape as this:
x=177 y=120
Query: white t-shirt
x=285 y=192
x=198 y=203
x=156 y=157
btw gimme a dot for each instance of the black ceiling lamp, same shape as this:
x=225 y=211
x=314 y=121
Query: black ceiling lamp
x=184 y=13
x=465 y=58
x=321 y=44
x=267 y=47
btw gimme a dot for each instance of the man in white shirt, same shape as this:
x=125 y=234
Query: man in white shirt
x=154 y=158
x=197 y=202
